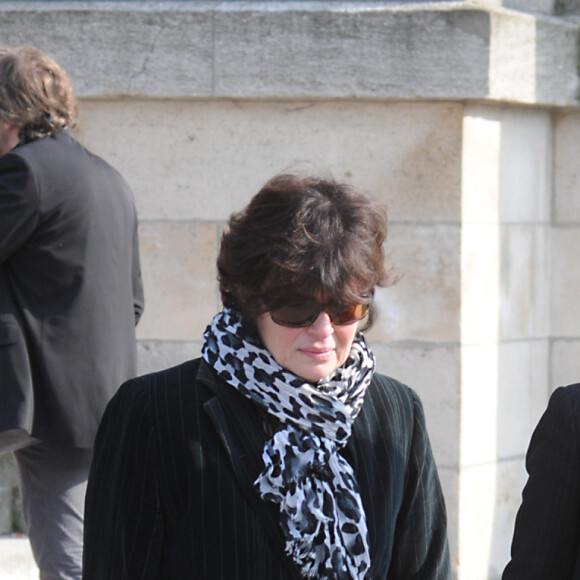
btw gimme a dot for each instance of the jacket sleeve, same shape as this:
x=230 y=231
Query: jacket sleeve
x=123 y=517
x=18 y=204
x=546 y=539
x=421 y=548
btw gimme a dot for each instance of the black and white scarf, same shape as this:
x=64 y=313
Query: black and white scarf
x=321 y=512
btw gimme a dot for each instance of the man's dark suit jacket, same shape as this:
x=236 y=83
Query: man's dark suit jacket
x=171 y=493
x=70 y=289
x=546 y=542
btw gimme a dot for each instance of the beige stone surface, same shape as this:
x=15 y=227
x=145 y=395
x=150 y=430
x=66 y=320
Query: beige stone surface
x=565 y=282
x=504 y=392
x=480 y=283
x=505 y=389
x=525 y=268
x=523 y=390
x=156 y=355
x=507 y=164
x=424 y=305
x=433 y=373
x=178 y=266
x=565 y=363
x=567 y=168
x=525 y=173
x=481 y=153
x=489 y=497
x=531 y=58
x=479 y=401
x=204 y=159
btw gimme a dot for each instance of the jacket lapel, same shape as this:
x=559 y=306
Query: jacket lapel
x=241 y=434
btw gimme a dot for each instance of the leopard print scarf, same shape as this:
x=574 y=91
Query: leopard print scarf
x=321 y=511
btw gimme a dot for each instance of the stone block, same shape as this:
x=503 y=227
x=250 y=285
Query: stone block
x=479 y=400
x=158 y=355
x=525 y=282
x=532 y=59
x=565 y=363
x=481 y=164
x=304 y=50
x=166 y=47
x=204 y=159
x=507 y=160
x=523 y=390
x=504 y=392
x=424 y=305
x=363 y=52
x=567 y=170
x=489 y=496
x=480 y=283
x=179 y=276
x=564 y=282
x=525 y=165
x=432 y=371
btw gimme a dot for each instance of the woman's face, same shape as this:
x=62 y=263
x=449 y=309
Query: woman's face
x=312 y=352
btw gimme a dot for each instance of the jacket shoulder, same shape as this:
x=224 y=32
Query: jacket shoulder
x=172 y=382
x=392 y=395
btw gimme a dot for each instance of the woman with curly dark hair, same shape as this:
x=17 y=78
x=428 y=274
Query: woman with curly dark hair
x=280 y=453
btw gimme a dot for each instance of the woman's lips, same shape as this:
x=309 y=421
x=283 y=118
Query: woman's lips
x=317 y=353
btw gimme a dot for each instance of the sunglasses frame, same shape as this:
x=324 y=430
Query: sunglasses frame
x=333 y=313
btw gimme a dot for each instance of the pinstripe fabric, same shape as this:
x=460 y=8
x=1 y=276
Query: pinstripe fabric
x=171 y=492
x=546 y=542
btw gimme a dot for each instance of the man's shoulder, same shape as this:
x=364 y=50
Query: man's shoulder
x=61 y=144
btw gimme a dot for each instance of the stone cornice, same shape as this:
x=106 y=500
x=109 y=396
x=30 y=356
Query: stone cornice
x=316 y=50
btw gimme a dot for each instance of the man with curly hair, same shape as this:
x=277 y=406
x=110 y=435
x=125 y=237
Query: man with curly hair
x=70 y=296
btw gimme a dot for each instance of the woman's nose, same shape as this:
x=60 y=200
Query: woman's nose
x=322 y=326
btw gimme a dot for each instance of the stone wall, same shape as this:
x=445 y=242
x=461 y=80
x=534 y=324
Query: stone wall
x=462 y=116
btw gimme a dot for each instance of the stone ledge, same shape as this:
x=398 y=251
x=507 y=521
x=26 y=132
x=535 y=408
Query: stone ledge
x=249 y=50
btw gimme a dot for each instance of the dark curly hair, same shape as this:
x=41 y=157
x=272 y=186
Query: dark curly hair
x=35 y=93
x=303 y=238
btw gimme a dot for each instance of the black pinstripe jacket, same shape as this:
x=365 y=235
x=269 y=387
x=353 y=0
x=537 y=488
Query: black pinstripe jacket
x=546 y=542
x=171 y=492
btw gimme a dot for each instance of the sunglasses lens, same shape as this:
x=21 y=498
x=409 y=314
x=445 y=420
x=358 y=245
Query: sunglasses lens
x=351 y=314
x=300 y=316
x=295 y=316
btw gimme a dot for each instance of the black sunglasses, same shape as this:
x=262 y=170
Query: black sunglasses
x=306 y=314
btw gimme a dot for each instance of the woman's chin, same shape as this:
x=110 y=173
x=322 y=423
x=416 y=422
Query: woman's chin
x=314 y=373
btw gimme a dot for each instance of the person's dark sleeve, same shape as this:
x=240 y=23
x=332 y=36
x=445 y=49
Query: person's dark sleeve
x=123 y=516
x=547 y=529
x=18 y=204
x=421 y=550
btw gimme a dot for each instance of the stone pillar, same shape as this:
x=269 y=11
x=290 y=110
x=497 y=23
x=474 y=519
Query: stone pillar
x=462 y=116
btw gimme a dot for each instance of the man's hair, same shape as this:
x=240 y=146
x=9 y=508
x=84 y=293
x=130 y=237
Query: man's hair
x=303 y=238
x=35 y=93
